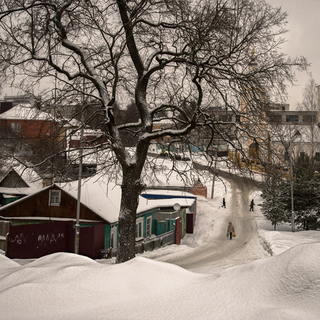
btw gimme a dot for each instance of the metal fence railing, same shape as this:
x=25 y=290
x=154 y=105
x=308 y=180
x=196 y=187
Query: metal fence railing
x=145 y=245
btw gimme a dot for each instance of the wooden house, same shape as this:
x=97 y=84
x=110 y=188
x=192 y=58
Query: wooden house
x=18 y=182
x=29 y=122
x=55 y=206
x=52 y=205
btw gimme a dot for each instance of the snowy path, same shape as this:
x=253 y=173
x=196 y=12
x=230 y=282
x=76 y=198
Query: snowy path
x=220 y=251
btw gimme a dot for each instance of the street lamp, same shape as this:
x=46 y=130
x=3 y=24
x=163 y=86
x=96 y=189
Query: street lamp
x=297 y=134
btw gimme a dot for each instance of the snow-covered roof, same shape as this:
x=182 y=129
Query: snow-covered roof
x=104 y=198
x=29 y=176
x=70 y=123
x=86 y=132
x=17 y=191
x=100 y=197
x=184 y=199
x=26 y=112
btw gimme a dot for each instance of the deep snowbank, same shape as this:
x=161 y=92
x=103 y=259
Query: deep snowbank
x=68 y=286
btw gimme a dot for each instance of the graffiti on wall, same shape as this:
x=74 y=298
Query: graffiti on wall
x=19 y=239
x=36 y=240
x=47 y=239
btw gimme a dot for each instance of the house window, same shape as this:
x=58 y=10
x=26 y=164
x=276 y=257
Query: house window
x=292 y=118
x=317 y=156
x=139 y=228
x=16 y=127
x=54 y=197
x=309 y=119
x=148 y=226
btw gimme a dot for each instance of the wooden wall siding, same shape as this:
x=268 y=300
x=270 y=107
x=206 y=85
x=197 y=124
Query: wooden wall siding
x=38 y=206
x=37 y=240
x=92 y=241
x=161 y=227
x=34 y=129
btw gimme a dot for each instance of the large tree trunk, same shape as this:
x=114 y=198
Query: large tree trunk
x=131 y=188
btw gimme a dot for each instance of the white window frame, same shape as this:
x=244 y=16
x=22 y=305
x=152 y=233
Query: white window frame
x=139 y=228
x=148 y=226
x=15 y=126
x=54 y=200
x=113 y=237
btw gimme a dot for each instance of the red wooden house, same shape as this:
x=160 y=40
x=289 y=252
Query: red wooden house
x=29 y=123
x=43 y=223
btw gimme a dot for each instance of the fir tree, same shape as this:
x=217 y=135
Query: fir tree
x=306 y=193
x=274 y=206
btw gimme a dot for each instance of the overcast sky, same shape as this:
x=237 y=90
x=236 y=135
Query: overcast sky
x=302 y=39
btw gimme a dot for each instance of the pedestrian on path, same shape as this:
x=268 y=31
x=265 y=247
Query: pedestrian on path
x=223 y=203
x=230 y=229
x=251 y=205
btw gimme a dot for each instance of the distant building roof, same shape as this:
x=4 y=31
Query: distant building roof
x=26 y=112
x=20 y=180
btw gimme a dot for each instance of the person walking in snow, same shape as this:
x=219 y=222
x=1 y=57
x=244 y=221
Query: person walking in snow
x=230 y=230
x=251 y=205
x=223 y=203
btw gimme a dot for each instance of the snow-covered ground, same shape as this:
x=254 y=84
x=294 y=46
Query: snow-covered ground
x=280 y=281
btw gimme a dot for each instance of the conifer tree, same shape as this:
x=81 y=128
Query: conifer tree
x=306 y=191
x=274 y=206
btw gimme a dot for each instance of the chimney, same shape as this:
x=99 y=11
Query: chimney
x=47 y=180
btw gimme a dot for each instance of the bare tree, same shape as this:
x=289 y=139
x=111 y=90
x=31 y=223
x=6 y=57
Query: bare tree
x=310 y=97
x=310 y=103
x=173 y=58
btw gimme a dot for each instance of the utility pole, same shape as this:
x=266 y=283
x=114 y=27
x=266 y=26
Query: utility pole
x=297 y=134
x=214 y=174
x=291 y=185
x=77 y=227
